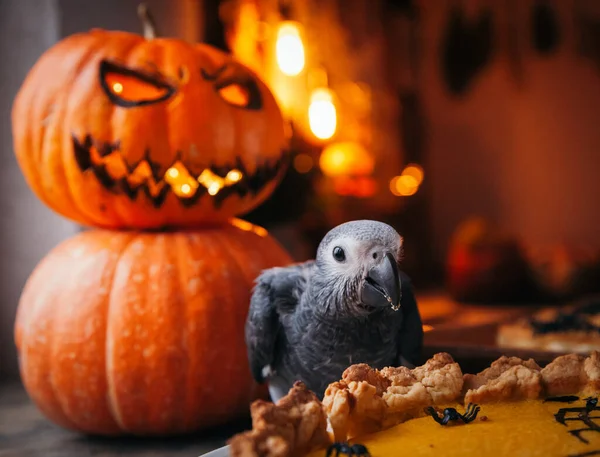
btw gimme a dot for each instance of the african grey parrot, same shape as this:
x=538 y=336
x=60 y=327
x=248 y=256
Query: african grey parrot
x=310 y=321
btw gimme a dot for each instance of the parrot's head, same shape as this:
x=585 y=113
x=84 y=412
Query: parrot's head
x=358 y=267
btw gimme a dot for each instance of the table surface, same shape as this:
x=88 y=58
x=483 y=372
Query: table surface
x=466 y=332
x=25 y=432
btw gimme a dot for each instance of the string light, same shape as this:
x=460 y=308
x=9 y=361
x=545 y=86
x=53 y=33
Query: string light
x=183 y=183
x=233 y=176
x=346 y=159
x=289 y=49
x=214 y=188
x=415 y=171
x=186 y=189
x=322 y=114
x=408 y=182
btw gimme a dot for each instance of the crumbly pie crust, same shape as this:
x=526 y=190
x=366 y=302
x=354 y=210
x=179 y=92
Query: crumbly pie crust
x=367 y=400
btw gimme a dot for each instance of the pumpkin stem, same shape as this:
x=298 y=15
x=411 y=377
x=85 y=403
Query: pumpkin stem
x=147 y=21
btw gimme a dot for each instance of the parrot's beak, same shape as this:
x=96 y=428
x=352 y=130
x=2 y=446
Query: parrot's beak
x=382 y=285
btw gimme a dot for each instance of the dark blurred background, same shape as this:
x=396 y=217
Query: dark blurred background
x=472 y=126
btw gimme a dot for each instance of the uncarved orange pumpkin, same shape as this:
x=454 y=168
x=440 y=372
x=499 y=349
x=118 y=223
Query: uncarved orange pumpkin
x=143 y=333
x=115 y=130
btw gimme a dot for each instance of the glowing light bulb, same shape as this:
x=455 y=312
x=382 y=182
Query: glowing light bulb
x=173 y=172
x=346 y=159
x=289 y=49
x=322 y=115
x=118 y=87
x=415 y=171
x=233 y=176
x=214 y=188
x=186 y=189
x=404 y=185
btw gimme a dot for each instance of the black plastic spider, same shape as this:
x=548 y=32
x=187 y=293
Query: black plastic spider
x=591 y=403
x=350 y=450
x=451 y=415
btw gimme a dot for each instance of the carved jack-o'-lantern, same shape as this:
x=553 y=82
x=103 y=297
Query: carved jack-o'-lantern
x=113 y=129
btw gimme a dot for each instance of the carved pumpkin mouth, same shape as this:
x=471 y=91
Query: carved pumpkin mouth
x=217 y=182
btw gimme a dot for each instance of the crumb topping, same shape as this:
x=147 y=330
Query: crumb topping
x=367 y=400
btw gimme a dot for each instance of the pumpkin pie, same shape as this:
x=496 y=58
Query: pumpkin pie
x=513 y=407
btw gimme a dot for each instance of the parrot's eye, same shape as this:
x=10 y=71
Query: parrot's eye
x=339 y=254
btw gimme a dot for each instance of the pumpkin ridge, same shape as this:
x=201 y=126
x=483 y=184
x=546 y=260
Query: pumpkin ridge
x=182 y=245
x=175 y=317
x=112 y=401
x=57 y=413
x=220 y=238
x=239 y=273
x=240 y=258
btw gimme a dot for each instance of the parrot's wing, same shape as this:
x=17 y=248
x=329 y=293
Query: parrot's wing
x=277 y=291
x=411 y=332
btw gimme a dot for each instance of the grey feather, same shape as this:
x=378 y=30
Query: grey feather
x=307 y=321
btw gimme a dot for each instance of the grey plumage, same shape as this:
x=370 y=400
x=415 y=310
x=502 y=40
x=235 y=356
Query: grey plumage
x=310 y=321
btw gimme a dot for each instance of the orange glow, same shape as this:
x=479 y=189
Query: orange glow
x=322 y=114
x=427 y=328
x=303 y=163
x=133 y=89
x=415 y=171
x=404 y=186
x=180 y=180
x=233 y=176
x=114 y=163
x=408 y=182
x=361 y=187
x=260 y=231
x=235 y=94
x=248 y=227
x=346 y=159
x=214 y=183
x=289 y=49
x=183 y=183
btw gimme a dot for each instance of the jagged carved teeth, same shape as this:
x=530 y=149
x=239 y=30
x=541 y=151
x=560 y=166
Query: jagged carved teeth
x=115 y=174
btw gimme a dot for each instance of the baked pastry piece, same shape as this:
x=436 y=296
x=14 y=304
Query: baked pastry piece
x=294 y=425
x=366 y=400
x=572 y=328
x=522 y=409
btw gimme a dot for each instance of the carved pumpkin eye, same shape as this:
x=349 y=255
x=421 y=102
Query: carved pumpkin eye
x=236 y=86
x=127 y=88
x=235 y=95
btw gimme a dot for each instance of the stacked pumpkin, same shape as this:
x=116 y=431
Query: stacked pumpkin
x=137 y=325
